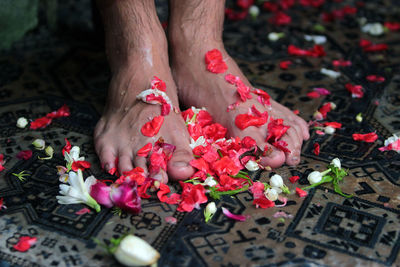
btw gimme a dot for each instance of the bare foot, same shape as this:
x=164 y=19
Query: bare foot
x=137 y=51
x=191 y=35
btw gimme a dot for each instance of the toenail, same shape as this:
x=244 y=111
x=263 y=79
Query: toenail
x=180 y=164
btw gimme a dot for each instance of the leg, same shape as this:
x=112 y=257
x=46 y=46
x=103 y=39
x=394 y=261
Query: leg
x=196 y=27
x=136 y=48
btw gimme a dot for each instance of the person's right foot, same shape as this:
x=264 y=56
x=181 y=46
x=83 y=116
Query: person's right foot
x=138 y=52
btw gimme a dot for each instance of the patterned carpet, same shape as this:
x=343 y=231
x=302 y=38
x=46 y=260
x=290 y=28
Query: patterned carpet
x=46 y=69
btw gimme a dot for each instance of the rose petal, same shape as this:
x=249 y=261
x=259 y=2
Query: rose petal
x=369 y=137
x=230 y=215
x=145 y=150
x=152 y=127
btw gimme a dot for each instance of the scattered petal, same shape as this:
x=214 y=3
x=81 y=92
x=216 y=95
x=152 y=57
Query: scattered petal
x=232 y=216
x=368 y=138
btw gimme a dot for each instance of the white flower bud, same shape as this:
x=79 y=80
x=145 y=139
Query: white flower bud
x=22 y=122
x=39 y=144
x=251 y=165
x=134 y=251
x=329 y=130
x=314 y=177
x=330 y=73
x=317 y=39
x=333 y=105
x=276 y=181
x=275 y=36
x=210 y=181
x=211 y=208
x=336 y=162
x=271 y=194
x=374 y=29
x=359 y=117
x=254 y=11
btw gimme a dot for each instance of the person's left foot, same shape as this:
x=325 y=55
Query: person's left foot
x=201 y=88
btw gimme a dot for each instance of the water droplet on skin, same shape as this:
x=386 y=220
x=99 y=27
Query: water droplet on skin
x=123 y=92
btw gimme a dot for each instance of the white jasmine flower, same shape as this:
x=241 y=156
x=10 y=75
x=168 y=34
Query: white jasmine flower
x=254 y=11
x=22 y=122
x=201 y=141
x=134 y=251
x=143 y=95
x=314 y=177
x=336 y=162
x=78 y=191
x=329 y=130
x=374 y=29
x=210 y=210
x=49 y=152
x=359 y=117
x=275 y=36
x=317 y=39
x=73 y=155
x=276 y=181
x=333 y=105
x=251 y=165
x=271 y=194
x=39 y=144
x=210 y=181
x=330 y=73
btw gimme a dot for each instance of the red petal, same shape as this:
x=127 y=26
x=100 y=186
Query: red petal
x=24 y=154
x=285 y=64
x=276 y=129
x=280 y=19
x=263 y=202
x=81 y=164
x=282 y=145
x=158 y=84
x=243 y=121
x=369 y=137
x=244 y=4
x=333 y=124
x=25 y=243
x=145 y=150
x=316 y=148
x=375 y=78
x=313 y=94
x=214 y=61
x=152 y=127
x=393 y=26
x=294 y=179
x=356 y=90
x=40 y=123
x=67 y=147
x=61 y=112
x=301 y=192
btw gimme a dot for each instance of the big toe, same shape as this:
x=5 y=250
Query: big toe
x=274 y=159
x=179 y=167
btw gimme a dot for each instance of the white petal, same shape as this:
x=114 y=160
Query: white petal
x=67 y=200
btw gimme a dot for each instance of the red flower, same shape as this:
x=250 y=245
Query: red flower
x=244 y=4
x=276 y=129
x=67 y=147
x=313 y=94
x=263 y=97
x=280 y=19
x=263 y=202
x=192 y=196
x=214 y=61
x=282 y=145
x=242 y=121
x=393 y=26
x=369 y=137
x=316 y=51
x=25 y=243
x=341 y=63
x=226 y=166
x=294 y=179
x=316 y=148
x=152 y=127
x=164 y=191
x=158 y=84
x=300 y=192
x=284 y=65
x=356 y=90
x=333 y=124
x=375 y=78
x=80 y=164
x=40 y=123
x=24 y=154
x=145 y=150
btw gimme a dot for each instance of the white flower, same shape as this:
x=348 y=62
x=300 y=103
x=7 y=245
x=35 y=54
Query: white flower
x=374 y=29
x=336 y=162
x=275 y=36
x=78 y=191
x=143 y=95
x=201 y=141
x=314 y=177
x=22 y=122
x=210 y=210
x=134 y=251
x=73 y=155
x=39 y=144
x=330 y=73
x=276 y=181
x=251 y=165
x=271 y=194
x=254 y=11
x=317 y=39
x=210 y=181
x=333 y=105
x=329 y=130
x=359 y=117
x=391 y=140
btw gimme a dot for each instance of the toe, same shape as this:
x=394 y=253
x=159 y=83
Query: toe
x=274 y=159
x=125 y=162
x=294 y=145
x=179 y=167
x=142 y=163
x=107 y=158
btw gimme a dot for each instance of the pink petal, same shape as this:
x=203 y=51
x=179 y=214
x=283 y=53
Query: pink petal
x=282 y=214
x=232 y=216
x=281 y=199
x=101 y=193
x=322 y=91
x=82 y=211
x=171 y=220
